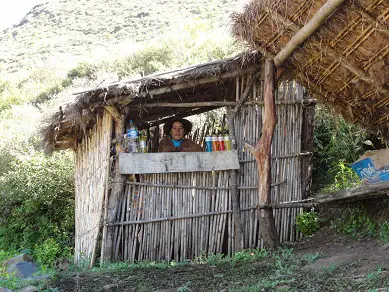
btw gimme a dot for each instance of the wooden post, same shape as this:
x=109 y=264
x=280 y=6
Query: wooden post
x=261 y=152
x=307 y=144
x=238 y=228
x=116 y=190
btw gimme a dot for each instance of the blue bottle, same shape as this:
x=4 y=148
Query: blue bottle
x=208 y=143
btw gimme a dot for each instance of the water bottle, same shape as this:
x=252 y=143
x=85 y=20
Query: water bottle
x=132 y=138
x=227 y=141
x=208 y=143
x=143 y=142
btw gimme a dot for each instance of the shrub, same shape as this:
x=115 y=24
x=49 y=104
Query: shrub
x=307 y=223
x=83 y=70
x=337 y=145
x=48 y=252
x=37 y=202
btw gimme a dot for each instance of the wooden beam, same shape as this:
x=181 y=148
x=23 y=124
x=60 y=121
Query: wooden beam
x=226 y=103
x=238 y=235
x=307 y=30
x=307 y=145
x=190 y=84
x=116 y=190
x=262 y=155
x=167 y=162
x=246 y=92
x=362 y=192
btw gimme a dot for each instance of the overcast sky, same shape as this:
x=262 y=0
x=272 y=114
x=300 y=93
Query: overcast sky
x=13 y=11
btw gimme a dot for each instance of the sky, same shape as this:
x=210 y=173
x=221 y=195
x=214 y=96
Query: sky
x=13 y=11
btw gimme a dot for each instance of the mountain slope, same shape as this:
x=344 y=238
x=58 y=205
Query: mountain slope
x=63 y=31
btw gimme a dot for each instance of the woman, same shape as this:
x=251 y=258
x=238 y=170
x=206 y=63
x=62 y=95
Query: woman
x=176 y=130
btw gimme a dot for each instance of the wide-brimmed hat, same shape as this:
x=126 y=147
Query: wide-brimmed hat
x=168 y=126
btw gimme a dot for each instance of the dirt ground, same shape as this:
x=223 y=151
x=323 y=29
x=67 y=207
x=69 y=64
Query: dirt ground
x=339 y=265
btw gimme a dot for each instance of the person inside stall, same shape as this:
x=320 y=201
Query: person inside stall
x=176 y=130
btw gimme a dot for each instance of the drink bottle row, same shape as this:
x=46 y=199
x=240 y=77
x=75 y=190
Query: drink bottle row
x=135 y=141
x=220 y=142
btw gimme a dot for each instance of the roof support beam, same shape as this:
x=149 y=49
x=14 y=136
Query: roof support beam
x=191 y=84
x=307 y=30
x=224 y=103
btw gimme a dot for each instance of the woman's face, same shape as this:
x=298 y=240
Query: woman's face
x=177 y=131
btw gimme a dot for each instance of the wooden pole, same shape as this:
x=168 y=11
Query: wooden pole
x=307 y=30
x=307 y=144
x=117 y=189
x=238 y=227
x=262 y=155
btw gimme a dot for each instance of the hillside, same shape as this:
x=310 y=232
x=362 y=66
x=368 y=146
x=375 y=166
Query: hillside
x=64 y=32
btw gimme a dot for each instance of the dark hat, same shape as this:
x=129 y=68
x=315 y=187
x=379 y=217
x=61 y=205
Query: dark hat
x=168 y=126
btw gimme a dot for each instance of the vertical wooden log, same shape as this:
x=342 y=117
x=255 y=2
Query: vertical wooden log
x=116 y=190
x=262 y=154
x=238 y=229
x=307 y=143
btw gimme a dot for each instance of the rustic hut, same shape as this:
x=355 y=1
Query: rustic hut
x=339 y=49
x=205 y=203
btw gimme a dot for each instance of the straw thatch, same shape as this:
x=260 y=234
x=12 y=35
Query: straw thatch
x=345 y=61
x=209 y=82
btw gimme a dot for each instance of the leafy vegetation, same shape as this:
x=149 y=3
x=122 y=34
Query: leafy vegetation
x=249 y=270
x=338 y=144
x=307 y=223
x=357 y=222
x=37 y=206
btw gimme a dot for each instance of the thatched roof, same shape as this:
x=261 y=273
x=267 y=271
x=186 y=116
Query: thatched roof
x=345 y=61
x=209 y=82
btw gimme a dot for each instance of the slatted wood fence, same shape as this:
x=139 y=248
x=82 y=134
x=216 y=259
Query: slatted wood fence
x=91 y=174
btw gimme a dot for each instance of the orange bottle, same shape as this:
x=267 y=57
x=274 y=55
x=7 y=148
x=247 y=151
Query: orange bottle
x=215 y=143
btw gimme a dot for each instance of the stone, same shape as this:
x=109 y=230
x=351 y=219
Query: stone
x=20 y=258
x=30 y=288
x=5 y=290
x=22 y=269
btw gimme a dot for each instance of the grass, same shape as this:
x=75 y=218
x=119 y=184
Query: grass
x=249 y=270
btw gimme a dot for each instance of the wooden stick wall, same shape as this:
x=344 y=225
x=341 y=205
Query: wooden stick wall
x=285 y=170
x=91 y=171
x=178 y=237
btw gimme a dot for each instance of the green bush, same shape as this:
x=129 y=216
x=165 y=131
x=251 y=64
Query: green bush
x=83 y=70
x=37 y=202
x=337 y=145
x=307 y=223
x=50 y=250
x=343 y=177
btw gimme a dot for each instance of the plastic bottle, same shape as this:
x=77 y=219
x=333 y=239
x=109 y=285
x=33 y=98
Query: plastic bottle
x=220 y=139
x=143 y=142
x=227 y=141
x=132 y=138
x=215 y=143
x=208 y=143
